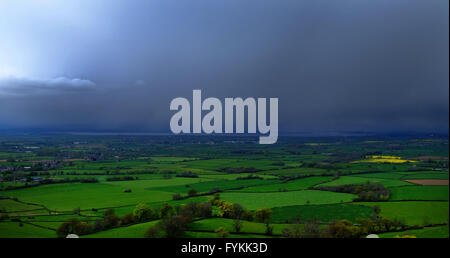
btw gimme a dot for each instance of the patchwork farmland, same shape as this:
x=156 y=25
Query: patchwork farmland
x=107 y=186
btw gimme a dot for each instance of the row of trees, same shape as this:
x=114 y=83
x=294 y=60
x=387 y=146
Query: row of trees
x=344 y=228
x=47 y=181
x=366 y=192
x=142 y=213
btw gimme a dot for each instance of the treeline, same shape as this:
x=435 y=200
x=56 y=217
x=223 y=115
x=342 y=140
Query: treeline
x=134 y=172
x=122 y=178
x=366 y=192
x=47 y=181
x=187 y=174
x=174 y=223
x=250 y=176
x=232 y=170
x=174 y=219
x=344 y=228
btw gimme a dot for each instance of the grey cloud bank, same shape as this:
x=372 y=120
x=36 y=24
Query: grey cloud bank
x=32 y=86
x=334 y=65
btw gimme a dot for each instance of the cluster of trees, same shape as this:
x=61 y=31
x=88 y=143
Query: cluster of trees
x=171 y=218
x=75 y=226
x=366 y=192
x=321 y=165
x=232 y=170
x=174 y=220
x=236 y=212
x=187 y=174
x=192 y=192
x=137 y=172
x=250 y=176
x=122 y=178
x=344 y=228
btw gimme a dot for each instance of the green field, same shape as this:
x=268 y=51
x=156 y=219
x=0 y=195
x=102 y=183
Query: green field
x=293 y=185
x=420 y=193
x=14 y=230
x=254 y=201
x=352 y=180
x=428 y=232
x=66 y=197
x=414 y=212
x=322 y=213
x=206 y=180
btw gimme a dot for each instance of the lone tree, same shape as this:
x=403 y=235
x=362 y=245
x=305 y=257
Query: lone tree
x=263 y=215
x=142 y=213
x=110 y=219
x=237 y=225
x=166 y=210
x=174 y=226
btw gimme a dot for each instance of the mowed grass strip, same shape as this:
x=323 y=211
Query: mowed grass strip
x=419 y=193
x=253 y=201
x=299 y=184
x=322 y=213
x=428 y=232
x=414 y=213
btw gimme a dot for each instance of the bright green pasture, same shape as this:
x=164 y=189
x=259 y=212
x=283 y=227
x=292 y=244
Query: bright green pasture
x=427 y=232
x=420 y=193
x=299 y=184
x=414 y=212
x=323 y=213
x=97 y=195
x=426 y=175
x=253 y=201
x=13 y=230
x=381 y=175
x=9 y=205
x=133 y=231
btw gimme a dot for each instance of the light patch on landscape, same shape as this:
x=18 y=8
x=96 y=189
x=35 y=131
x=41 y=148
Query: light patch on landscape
x=384 y=159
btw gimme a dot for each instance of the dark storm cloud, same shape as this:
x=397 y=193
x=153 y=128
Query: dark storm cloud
x=33 y=86
x=335 y=65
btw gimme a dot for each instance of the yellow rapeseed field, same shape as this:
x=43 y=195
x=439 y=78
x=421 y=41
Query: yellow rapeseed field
x=384 y=159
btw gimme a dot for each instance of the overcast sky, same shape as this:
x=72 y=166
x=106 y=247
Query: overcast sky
x=115 y=65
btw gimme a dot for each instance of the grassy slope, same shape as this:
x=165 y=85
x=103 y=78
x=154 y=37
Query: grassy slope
x=414 y=212
x=428 y=232
x=323 y=213
x=425 y=193
x=253 y=201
